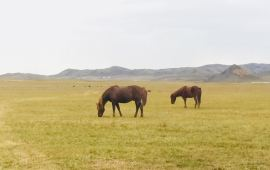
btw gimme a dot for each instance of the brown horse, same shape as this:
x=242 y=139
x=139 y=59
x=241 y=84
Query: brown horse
x=116 y=95
x=188 y=92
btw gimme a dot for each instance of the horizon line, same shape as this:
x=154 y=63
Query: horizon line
x=127 y=68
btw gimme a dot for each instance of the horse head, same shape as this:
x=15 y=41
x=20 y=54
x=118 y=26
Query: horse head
x=173 y=98
x=100 y=108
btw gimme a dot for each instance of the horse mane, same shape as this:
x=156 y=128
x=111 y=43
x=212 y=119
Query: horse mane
x=100 y=101
x=178 y=92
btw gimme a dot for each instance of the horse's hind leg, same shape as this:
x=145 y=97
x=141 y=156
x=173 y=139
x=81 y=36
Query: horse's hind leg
x=141 y=107
x=118 y=108
x=196 y=102
x=137 y=108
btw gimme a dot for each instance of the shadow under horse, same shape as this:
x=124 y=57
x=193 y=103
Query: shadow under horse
x=188 y=92
x=116 y=95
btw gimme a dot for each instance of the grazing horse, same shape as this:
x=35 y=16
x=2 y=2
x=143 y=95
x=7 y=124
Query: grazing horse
x=116 y=95
x=188 y=92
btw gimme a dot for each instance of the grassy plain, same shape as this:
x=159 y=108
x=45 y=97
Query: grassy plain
x=54 y=125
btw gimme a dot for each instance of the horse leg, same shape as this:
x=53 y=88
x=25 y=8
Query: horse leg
x=185 y=101
x=137 y=109
x=141 y=107
x=199 y=102
x=196 y=101
x=118 y=108
x=113 y=106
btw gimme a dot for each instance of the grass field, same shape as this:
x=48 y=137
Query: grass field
x=54 y=125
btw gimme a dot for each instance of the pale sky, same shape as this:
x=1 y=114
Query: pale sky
x=49 y=36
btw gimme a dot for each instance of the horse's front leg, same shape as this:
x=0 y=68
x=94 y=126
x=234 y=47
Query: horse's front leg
x=113 y=106
x=185 y=101
x=118 y=108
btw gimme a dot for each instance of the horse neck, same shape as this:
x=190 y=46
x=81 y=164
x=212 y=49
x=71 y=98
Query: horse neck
x=103 y=100
x=178 y=93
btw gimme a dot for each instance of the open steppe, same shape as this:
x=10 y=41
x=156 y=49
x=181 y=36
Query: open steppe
x=54 y=125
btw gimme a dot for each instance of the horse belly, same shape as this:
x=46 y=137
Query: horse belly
x=121 y=98
x=124 y=100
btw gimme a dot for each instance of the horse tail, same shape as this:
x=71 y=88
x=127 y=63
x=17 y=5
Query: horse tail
x=144 y=97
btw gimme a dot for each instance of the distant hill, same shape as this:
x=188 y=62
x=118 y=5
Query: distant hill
x=212 y=72
x=265 y=75
x=184 y=73
x=23 y=76
x=234 y=73
x=257 y=69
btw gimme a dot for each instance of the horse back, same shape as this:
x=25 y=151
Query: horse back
x=125 y=94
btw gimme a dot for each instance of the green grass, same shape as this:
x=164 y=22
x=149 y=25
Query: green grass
x=54 y=125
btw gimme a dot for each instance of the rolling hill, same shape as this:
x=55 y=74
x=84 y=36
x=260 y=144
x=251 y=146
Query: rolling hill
x=234 y=73
x=115 y=73
x=212 y=72
x=23 y=76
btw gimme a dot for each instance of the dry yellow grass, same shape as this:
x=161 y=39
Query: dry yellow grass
x=54 y=125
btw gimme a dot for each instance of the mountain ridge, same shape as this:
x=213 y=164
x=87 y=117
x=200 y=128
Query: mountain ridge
x=201 y=73
x=234 y=73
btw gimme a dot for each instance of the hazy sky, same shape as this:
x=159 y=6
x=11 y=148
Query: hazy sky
x=48 y=36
